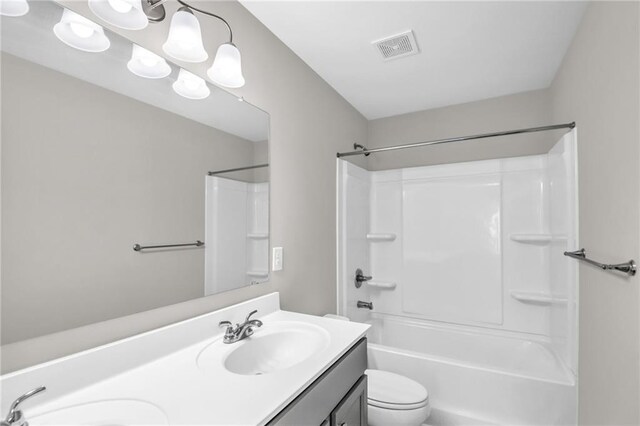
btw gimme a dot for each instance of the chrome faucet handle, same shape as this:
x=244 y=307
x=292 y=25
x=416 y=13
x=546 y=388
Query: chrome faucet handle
x=227 y=324
x=15 y=415
x=252 y=322
x=249 y=316
x=361 y=278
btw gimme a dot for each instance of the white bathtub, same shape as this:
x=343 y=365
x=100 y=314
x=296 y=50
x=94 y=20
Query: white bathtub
x=483 y=377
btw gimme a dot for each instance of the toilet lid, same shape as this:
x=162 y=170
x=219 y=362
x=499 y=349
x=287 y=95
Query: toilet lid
x=390 y=390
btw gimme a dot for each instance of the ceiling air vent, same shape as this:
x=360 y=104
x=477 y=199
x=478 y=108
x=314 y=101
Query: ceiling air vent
x=397 y=46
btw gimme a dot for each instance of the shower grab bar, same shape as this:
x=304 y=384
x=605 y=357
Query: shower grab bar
x=138 y=247
x=628 y=268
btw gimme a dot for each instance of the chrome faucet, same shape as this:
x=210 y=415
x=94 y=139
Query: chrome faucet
x=240 y=331
x=15 y=416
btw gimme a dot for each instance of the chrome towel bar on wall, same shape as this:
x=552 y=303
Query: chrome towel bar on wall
x=628 y=268
x=138 y=247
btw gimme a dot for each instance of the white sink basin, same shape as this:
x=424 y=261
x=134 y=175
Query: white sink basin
x=103 y=413
x=273 y=347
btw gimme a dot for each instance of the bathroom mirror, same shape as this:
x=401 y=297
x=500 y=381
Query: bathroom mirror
x=100 y=166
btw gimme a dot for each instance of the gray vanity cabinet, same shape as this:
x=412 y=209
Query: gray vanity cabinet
x=352 y=410
x=337 y=398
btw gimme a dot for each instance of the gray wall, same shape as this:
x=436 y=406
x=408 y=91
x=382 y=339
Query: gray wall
x=529 y=109
x=599 y=86
x=86 y=173
x=310 y=122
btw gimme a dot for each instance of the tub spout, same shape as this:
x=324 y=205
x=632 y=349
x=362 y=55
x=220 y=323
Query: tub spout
x=368 y=305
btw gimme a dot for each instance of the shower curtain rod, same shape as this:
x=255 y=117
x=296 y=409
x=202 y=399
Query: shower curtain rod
x=458 y=139
x=237 y=169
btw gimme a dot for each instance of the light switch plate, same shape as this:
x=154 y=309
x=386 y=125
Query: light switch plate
x=277 y=259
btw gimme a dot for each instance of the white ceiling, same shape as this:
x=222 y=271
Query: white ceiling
x=31 y=37
x=468 y=50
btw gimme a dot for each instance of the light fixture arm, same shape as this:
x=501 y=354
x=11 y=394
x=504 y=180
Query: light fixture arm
x=153 y=4
x=204 y=12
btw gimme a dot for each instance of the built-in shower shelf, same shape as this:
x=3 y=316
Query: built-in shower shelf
x=537 y=238
x=258 y=236
x=381 y=285
x=258 y=274
x=381 y=237
x=537 y=298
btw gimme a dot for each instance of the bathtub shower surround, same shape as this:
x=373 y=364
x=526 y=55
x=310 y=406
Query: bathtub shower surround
x=472 y=296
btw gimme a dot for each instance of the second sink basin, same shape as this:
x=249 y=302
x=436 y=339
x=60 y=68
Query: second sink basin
x=104 y=413
x=274 y=347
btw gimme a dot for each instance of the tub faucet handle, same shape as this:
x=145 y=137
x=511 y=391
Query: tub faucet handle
x=361 y=278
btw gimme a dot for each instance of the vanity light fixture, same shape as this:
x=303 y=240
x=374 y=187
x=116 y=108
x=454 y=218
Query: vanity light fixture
x=147 y=64
x=191 y=86
x=227 y=67
x=184 y=42
x=79 y=32
x=14 y=7
x=126 y=14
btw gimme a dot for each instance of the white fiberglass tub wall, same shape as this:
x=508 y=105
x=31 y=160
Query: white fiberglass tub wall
x=471 y=293
x=236 y=231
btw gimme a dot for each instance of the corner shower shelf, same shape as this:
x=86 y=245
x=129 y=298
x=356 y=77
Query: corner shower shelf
x=536 y=298
x=381 y=237
x=381 y=285
x=258 y=274
x=536 y=238
x=258 y=236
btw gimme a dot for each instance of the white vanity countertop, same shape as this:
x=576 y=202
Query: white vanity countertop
x=188 y=393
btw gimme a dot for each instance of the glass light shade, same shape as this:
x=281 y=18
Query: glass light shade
x=14 y=7
x=227 y=67
x=191 y=86
x=81 y=33
x=147 y=64
x=184 y=42
x=127 y=14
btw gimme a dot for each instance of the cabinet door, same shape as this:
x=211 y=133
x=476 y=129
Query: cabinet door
x=352 y=410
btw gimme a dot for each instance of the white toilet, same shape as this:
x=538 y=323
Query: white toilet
x=396 y=400
x=393 y=399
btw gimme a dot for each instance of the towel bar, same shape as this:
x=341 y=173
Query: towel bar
x=138 y=247
x=628 y=268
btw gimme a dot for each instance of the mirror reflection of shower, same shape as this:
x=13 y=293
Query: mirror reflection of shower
x=237 y=221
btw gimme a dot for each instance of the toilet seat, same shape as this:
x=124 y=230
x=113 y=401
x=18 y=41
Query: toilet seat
x=395 y=392
x=398 y=407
